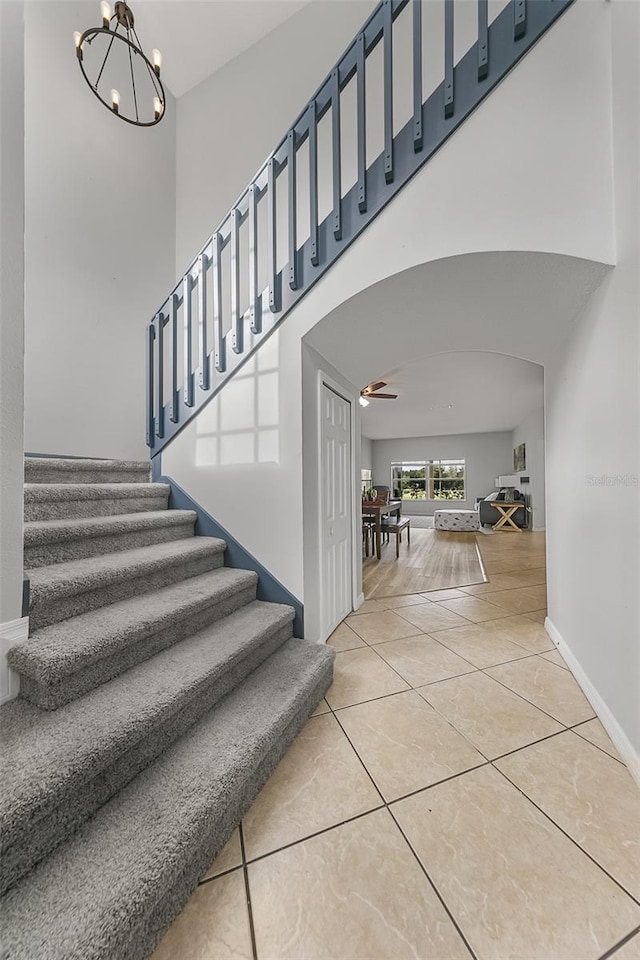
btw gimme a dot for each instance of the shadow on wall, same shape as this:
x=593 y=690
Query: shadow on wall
x=241 y=425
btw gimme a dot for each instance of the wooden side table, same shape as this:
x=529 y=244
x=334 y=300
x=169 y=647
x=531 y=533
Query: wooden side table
x=506 y=511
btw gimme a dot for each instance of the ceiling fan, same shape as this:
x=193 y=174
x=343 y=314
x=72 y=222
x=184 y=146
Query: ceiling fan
x=372 y=392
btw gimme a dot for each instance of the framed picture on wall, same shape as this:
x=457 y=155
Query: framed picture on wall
x=519 y=458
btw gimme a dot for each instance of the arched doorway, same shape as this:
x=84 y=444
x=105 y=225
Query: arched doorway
x=514 y=307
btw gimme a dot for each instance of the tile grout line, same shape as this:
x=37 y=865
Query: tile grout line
x=468 y=622
x=501 y=663
x=548 y=817
x=529 y=653
x=383 y=696
x=421 y=633
x=451 y=722
x=389 y=804
x=550 y=736
x=475 y=668
x=433 y=886
x=438 y=783
x=489 y=762
x=597 y=746
x=217 y=876
x=621 y=943
x=530 y=702
x=316 y=833
x=527 y=656
x=435 y=710
x=467 y=673
x=477 y=748
x=419 y=862
x=245 y=872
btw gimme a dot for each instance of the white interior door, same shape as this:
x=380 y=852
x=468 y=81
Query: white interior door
x=335 y=482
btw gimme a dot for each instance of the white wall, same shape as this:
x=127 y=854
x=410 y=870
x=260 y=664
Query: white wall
x=229 y=124
x=547 y=125
x=366 y=453
x=99 y=248
x=13 y=626
x=593 y=436
x=486 y=456
x=531 y=433
x=11 y=307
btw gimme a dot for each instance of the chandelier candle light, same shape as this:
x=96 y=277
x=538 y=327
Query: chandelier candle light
x=121 y=66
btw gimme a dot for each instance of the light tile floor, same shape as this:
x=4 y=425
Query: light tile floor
x=453 y=797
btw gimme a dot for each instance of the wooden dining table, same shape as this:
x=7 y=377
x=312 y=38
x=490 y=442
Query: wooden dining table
x=379 y=509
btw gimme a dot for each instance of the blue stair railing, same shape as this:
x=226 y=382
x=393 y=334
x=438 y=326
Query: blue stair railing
x=234 y=293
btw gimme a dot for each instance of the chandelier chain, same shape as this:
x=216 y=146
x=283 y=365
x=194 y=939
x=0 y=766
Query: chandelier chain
x=106 y=56
x=133 y=85
x=151 y=72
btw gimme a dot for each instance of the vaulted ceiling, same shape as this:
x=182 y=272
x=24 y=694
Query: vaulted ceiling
x=197 y=37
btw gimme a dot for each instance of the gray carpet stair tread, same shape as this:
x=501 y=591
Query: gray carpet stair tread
x=38 y=492
x=46 y=754
x=54 y=469
x=69 y=646
x=103 y=895
x=80 y=576
x=59 y=531
x=52 y=501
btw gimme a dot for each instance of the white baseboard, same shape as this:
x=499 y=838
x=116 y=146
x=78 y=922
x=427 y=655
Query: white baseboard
x=358 y=601
x=10 y=633
x=620 y=740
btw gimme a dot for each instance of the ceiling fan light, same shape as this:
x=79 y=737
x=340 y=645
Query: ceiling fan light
x=363 y=401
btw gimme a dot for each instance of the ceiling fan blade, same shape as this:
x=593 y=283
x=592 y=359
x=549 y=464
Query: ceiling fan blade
x=382 y=396
x=374 y=386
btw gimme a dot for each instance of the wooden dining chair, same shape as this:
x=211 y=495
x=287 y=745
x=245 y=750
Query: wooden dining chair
x=368 y=527
x=396 y=527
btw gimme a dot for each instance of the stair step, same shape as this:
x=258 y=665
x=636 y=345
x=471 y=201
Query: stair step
x=111 y=891
x=62 y=470
x=60 y=501
x=64 y=590
x=56 y=541
x=67 y=589
x=59 y=767
x=64 y=661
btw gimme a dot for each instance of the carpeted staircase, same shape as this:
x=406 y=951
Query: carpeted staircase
x=157 y=695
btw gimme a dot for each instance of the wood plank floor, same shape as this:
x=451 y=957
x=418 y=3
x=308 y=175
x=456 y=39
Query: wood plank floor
x=435 y=560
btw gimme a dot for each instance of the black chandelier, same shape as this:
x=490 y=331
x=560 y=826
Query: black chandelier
x=126 y=81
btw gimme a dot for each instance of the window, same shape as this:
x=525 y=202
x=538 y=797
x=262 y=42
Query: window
x=365 y=480
x=408 y=480
x=428 y=480
x=446 y=480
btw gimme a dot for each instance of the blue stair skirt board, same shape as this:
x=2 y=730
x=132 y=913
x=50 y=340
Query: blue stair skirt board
x=269 y=588
x=26 y=595
x=467 y=83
